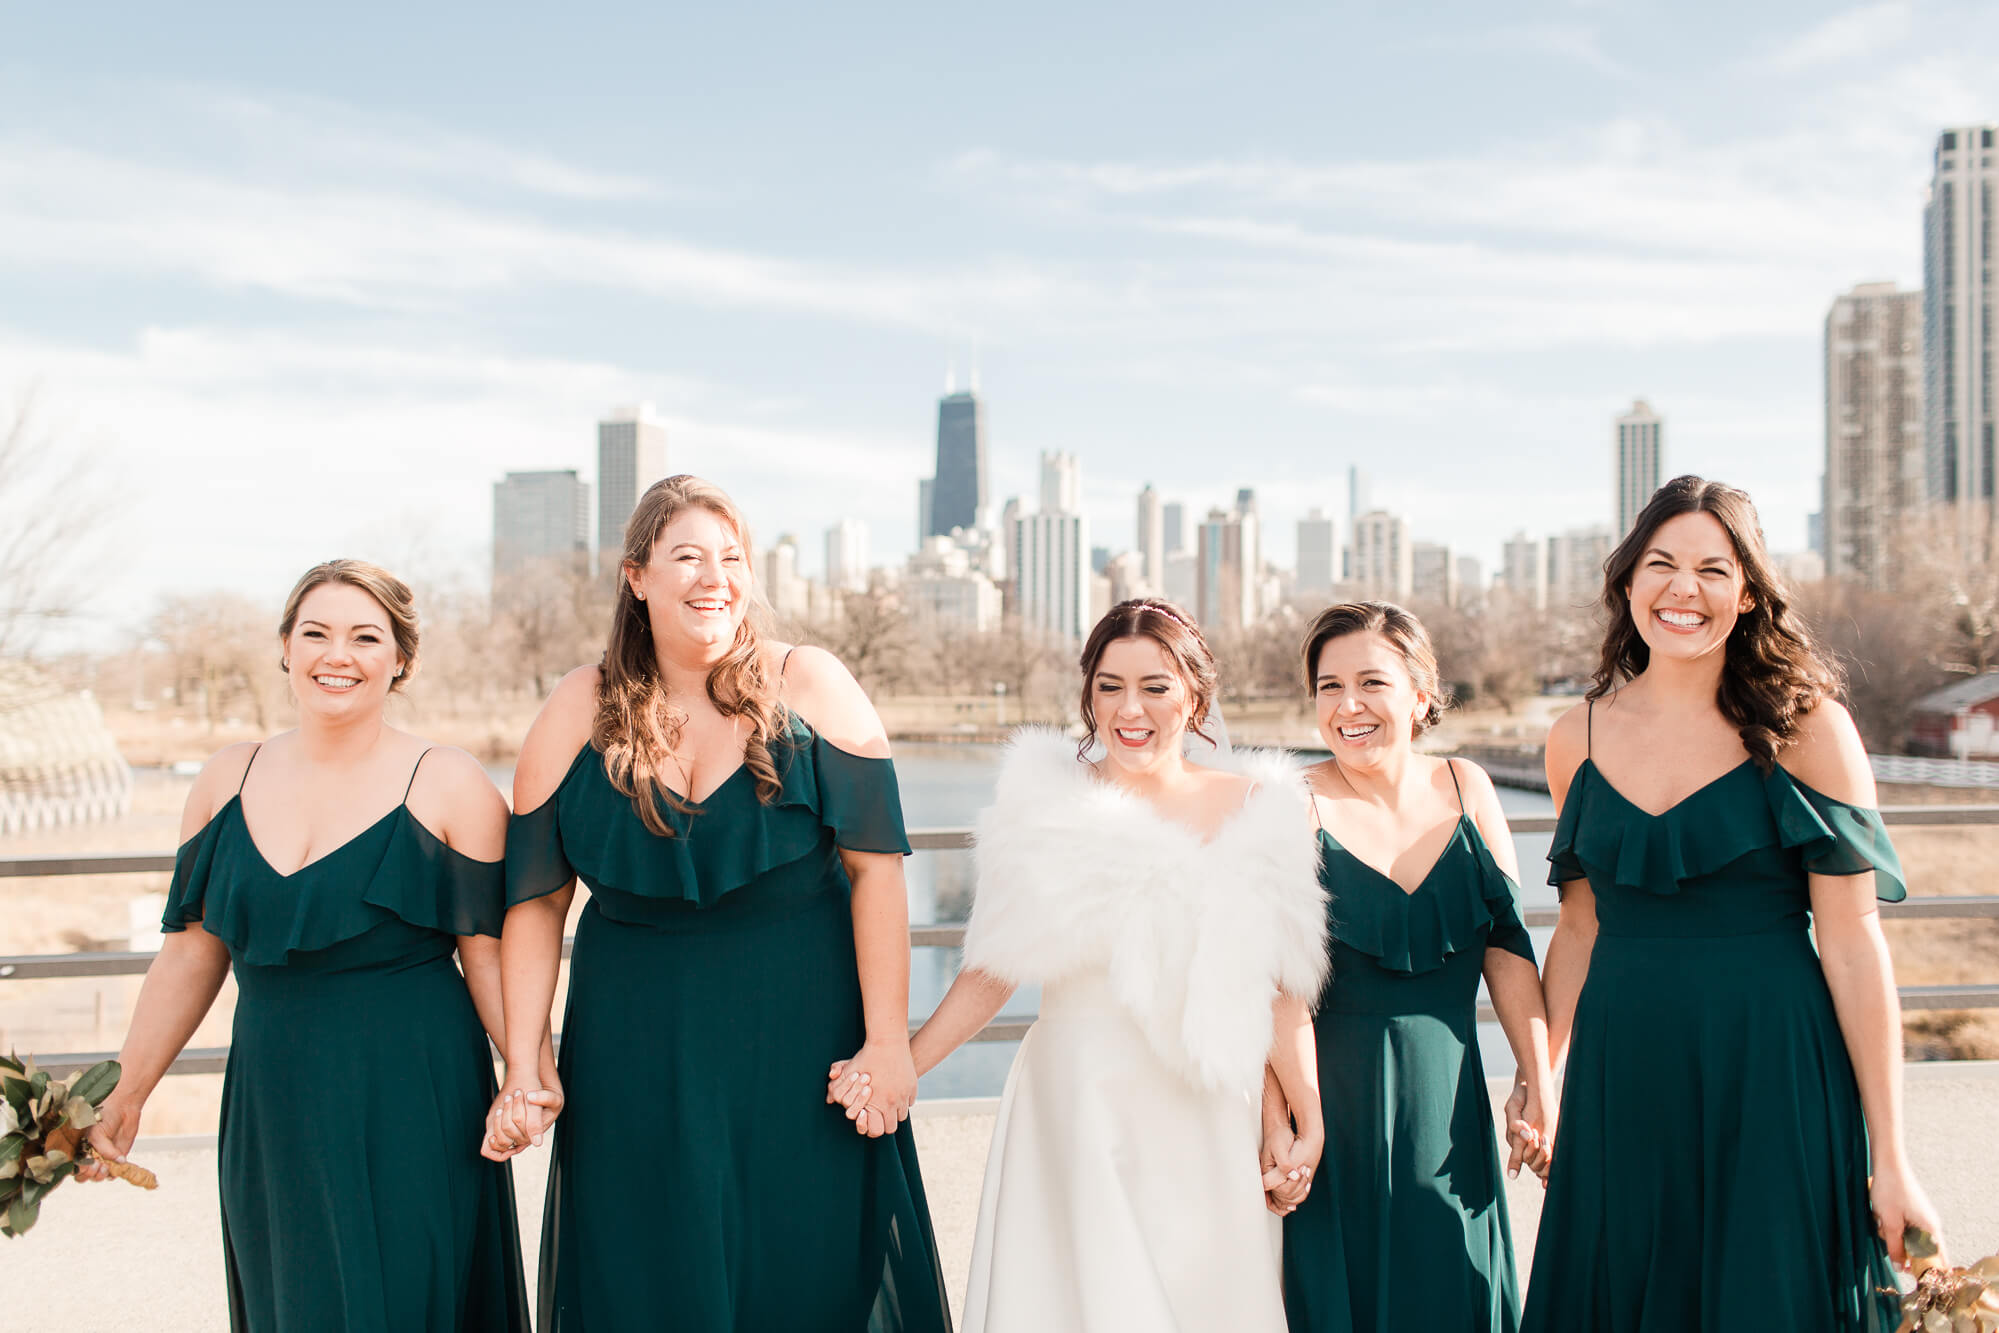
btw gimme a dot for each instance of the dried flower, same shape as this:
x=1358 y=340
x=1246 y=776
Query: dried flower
x=1946 y=1299
x=42 y=1123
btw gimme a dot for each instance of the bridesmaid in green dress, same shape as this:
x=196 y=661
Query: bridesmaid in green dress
x=338 y=867
x=1729 y=1087
x=1408 y=1221
x=730 y=804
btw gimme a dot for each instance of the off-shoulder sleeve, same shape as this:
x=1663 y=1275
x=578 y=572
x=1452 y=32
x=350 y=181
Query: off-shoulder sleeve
x=536 y=862
x=859 y=800
x=440 y=888
x=187 y=892
x=1564 y=866
x=1838 y=839
x=1508 y=931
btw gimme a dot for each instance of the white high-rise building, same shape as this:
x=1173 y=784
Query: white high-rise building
x=1052 y=574
x=1004 y=564
x=1636 y=462
x=847 y=556
x=1960 y=268
x=1061 y=484
x=1318 y=556
x=1182 y=569
x=1471 y=582
x=787 y=590
x=1523 y=570
x=1873 y=428
x=1151 y=539
x=540 y=516
x=1383 y=564
x=631 y=456
x=1433 y=574
x=1575 y=565
x=943 y=589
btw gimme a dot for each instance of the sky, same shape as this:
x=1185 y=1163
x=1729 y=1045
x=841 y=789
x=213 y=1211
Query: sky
x=307 y=284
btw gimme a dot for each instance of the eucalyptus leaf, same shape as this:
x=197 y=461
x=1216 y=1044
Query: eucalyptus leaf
x=9 y=1121
x=38 y=1082
x=96 y=1082
x=10 y=1062
x=21 y=1215
x=79 y=1114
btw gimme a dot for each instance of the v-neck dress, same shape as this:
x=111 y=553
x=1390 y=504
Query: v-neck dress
x=1711 y=1165
x=700 y=1181
x=1408 y=1217
x=353 y=1192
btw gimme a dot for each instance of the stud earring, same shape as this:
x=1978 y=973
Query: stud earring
x=641 y=596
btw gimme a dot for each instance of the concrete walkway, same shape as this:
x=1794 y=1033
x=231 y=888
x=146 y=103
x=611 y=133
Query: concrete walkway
x=107 y=1258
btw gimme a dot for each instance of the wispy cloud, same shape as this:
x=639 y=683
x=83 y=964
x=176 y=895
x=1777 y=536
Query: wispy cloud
x=1871 y=30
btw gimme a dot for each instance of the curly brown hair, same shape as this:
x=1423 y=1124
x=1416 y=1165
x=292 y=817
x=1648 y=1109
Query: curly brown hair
x=1404 y=632
x=635 y=727
x=1174 y=631
x=1772 y=673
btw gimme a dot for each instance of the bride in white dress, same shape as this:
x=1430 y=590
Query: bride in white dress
x=1171 y=913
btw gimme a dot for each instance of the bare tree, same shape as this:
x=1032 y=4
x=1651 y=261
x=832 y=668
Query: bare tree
x=54 y=507
x=223 y=656
x=874 y=638
x=1887 y=645
x=548 y=617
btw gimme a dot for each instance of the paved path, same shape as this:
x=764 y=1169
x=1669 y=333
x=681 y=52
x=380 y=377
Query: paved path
x=107 y=1258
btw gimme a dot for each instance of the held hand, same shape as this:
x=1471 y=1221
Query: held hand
x=520 y=1115
x=1289 y=1161
x=112 y=1136
x=1530 y=1131
x=1899 y=1203
x=876 y=1087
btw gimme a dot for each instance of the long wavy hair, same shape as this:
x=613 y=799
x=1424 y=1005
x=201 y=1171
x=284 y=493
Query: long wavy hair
x=637 y=726
x=1772 y=673
x=1173 y=630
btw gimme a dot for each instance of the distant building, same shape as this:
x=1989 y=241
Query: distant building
x=1383 y=563
x=1960 y=321
x=1959 y=721
x=1636 y=462
x=1318 y=557
x=1175 y=526
x=1100 y=559
x=1523 y=571
x=1799 y=568
x=926 y=508
x=1575 y=565
x=847 y=556
x=1052 y=574
x=1182 y=580
x=1471 y=581
x=1433 y=575
x=958 y=497
x=1004 y=565
x=784 y=587
x=1061 y=484
x=941 y=588
x=1224 y=579
x=1126 y=572
x=1151 y=539
x=1360 y=496
x=1873 y=429
x=542 y=517
x=631 y=456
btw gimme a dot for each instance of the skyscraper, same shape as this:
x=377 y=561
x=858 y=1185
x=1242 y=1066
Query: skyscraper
x=847 y=555
x=1224 y=581
x=1052 y=582
x=1061 y=484
x=1360 y=495
x=1958 y=319
x=1433 y=576
x=1151 y=540
x=1523 y=569
x=1636 y=462
x=1175 y=516
x=540 y=516
x=1383 y=564
x=1873 y=428
x=1575 y=565
x=958 y=494
x=1318 y=555
x=631 y=455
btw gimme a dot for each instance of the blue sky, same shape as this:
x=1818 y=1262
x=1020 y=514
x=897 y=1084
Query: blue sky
x=314 y=283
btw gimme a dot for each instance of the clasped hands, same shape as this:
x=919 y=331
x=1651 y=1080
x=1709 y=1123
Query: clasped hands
x=875 y=1088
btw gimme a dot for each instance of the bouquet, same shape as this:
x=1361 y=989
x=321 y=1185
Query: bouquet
x=1946 y=1299
x=42 y=1122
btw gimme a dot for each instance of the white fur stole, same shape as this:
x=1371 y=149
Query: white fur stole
x=1075 y=874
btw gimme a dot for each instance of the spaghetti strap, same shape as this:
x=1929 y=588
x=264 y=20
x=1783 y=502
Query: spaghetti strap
x=1317 y=822
x=785 y=665
x=1589 y=725
x=1452 y=769
x=413 y=771
x=246 y=768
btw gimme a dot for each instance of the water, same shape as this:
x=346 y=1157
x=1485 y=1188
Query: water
x=944 y=786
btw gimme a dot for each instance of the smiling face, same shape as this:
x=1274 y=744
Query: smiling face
x=1687 y=589
x=1142 y=704
x=696 y=585
x=341 y=652
x=1368 y=702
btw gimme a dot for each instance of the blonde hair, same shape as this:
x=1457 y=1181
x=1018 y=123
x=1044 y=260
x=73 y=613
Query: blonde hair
x=393 y=594
x=635 y=727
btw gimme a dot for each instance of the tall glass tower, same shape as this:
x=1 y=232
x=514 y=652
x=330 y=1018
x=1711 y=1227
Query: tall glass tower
x=1958 y=313
x=958 y=492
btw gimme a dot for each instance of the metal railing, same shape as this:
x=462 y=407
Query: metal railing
x=213 y=1059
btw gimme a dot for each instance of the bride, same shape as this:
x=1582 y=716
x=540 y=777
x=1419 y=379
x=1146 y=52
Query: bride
x=1172 y=915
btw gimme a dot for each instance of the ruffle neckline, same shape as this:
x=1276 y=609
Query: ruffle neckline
x=1740 y=812
x=264 y=917
x=1418 y=932
x=589 y=828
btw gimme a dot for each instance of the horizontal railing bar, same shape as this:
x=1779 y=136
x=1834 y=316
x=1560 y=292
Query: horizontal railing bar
x=1950 y=997
x=98 y=863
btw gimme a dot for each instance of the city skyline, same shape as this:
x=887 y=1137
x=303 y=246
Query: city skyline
x=419 y=285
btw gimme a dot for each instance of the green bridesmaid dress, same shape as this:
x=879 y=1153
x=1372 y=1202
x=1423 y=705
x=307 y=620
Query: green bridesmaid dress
x=700 y=1181
x=1407 y=1224
x=353 y=1193
x=1711 y=1162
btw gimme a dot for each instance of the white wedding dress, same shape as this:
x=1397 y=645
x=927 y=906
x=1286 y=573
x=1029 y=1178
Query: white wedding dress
x=1122 y=1192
